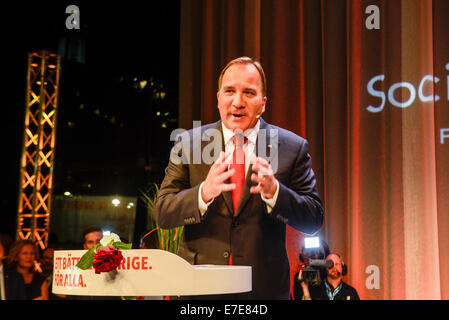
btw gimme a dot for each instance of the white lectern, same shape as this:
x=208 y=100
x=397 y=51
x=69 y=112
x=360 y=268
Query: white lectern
x=149 y=272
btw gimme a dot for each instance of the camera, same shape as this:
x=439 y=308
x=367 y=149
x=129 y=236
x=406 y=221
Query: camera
x=313 y=256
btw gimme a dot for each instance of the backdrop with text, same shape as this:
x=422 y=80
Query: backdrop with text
x=367 y=83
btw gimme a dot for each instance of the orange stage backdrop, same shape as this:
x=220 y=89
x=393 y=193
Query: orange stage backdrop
x=367 y=83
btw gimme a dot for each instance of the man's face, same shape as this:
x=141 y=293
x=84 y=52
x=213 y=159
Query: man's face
x=92 y=239
x=240 y=98
x=336 y=271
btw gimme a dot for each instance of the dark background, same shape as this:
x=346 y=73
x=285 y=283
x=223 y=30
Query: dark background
x=112 y=134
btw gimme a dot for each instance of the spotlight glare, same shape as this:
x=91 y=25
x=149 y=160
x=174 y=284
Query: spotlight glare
x=311 y=242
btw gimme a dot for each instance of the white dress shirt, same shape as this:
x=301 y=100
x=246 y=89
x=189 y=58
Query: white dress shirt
x=248 y=148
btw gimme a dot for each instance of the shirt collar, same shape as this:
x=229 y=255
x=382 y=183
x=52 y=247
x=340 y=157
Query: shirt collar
x=327 y=283
x=250 y=134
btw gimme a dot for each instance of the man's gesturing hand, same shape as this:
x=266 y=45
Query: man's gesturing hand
x=266 y=182
x=215 y=184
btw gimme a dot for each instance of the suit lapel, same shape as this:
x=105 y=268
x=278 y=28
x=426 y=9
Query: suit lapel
x=246 y=195
x=227 y=197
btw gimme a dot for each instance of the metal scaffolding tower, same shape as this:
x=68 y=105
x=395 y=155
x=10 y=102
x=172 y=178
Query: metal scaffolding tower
x=36 y=172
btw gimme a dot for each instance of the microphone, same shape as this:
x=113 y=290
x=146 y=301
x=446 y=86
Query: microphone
x=321 y=263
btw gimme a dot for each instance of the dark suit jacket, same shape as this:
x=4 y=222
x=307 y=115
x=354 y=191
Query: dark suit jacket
x=254 y=237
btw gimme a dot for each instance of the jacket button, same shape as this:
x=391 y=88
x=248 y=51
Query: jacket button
x=226 y=254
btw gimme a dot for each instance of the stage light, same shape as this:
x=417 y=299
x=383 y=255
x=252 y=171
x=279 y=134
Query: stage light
x=67 y=194
x=115 y=202
x=143 y=83
x=106 y=233
x=311 y=242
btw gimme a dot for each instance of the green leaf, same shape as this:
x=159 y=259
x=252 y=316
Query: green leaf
x=122 y=245
x=88 y=258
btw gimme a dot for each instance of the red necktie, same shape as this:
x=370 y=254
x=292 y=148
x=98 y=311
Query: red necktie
x=238 y=163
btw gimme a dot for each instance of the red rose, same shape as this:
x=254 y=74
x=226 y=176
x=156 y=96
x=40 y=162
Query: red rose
x=107 y=259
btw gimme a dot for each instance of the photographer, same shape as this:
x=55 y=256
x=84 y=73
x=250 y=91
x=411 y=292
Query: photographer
x=331 y=288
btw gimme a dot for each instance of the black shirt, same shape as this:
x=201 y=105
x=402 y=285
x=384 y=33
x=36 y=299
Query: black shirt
x=320 y=292
x=33 y=289
x=14 y=285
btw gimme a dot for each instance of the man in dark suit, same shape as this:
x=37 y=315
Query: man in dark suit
x=235 y=204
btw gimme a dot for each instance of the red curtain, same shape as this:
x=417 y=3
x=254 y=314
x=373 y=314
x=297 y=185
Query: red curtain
x=367 y=83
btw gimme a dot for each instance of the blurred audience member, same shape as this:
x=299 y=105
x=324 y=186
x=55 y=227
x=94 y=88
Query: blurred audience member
x=46 y=264
x=91 y=237
x=22 y=257
x=12 y=286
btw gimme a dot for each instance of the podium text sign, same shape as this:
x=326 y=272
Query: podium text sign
x=147 y=272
